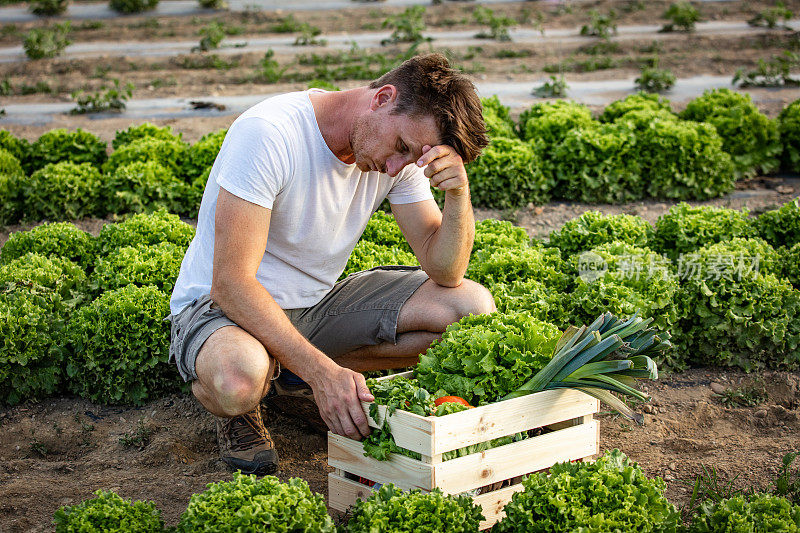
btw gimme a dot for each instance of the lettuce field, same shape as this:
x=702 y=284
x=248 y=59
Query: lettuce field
x=638 y=227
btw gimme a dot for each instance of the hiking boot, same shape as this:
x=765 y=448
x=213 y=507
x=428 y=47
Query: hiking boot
x=293 y=397
x=245 y=444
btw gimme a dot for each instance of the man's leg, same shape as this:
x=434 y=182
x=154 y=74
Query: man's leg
x=423 y=318
x=233 y=375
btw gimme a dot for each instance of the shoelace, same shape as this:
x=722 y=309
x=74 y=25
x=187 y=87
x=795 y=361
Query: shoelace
x=246 y=431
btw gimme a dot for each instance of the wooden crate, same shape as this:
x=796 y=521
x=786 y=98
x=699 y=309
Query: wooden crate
x=567 y=414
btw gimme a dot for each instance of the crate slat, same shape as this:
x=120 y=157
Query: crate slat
x=493 y=503
x=506 y=418
x=515 y=459
x=404 y=472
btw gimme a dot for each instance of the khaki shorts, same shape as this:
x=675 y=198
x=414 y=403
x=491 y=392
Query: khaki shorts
x=361 y=310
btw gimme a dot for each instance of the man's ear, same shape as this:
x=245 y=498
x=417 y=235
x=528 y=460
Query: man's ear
x=386 y=95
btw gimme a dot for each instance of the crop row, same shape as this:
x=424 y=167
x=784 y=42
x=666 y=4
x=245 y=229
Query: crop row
x=610 y=494
x=636 y=148
x=85 y=314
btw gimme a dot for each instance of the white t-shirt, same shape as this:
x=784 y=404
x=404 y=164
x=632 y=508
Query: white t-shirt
x=274 y=156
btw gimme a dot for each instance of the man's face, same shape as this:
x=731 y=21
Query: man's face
x=386 y=143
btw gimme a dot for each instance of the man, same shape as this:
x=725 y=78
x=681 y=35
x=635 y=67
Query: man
x=294 y=184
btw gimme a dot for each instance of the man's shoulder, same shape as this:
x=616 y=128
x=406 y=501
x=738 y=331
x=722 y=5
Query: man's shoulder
x=281 y=110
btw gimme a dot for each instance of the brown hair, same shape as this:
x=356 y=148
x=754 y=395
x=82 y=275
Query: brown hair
x=427 y=86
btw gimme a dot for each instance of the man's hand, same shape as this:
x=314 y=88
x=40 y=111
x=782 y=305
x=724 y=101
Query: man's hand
x=339 y=392
x=444 y=167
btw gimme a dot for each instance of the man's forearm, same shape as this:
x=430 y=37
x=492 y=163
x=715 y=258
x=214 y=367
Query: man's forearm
x=251 y=306
x=450 y=246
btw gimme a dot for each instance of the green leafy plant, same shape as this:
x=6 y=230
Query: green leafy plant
x=791 y=265
x=655 y=80
x=48 y=8
x=681 y=15
x=498 y=25
x=132 y=6
x=600 y=25
x=287 y=24
x=686 y=229
x=599 y=495
x=789 y=129
x=139 y=437
x=382 y=229
x=709 y=486
x=202 y=154
x=584 y=65
x=147 y=229
x=213 y=4
x=492 y=266
x=54 y=239
x=593 y=228
x=531 y=296
x=776 y=72
x=770 y=16
x=407 y=27
x=780 y=227
x=107 y=511
x=747 y=395
x=144 y=130
x=368 y=255
x=55 y=146
x=748 y=135
x=40 y=43
x=415 y=511
x=212 y=35
x=170 y=154
x=555 y=88
x=508 y=175
x=497 y=118
x=308 y=36
x=494 y=235
x=60 y=191
x=248 y=503
x=156 y=264
x=270 y=70
x=58 y=274
x=759 y=513
x=738 y=313
x=787 y=484
x=680 y=159
x=117 y=347
x=548 y=123
x=11 y=173
x=16 y=146
x=598 y=165
x=105 y=99
x=482 y=358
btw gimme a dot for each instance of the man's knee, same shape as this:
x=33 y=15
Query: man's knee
x=232 y=369
x=475 y=300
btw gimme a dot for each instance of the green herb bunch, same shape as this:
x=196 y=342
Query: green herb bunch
x=55 y=146
x=748 y=135
x=265 y=504
x=391 y=510
x=593 y=228
x=144 y=130
x=780 y=227
x=117 y=347
x=170 y=154
x=685 y=228
x=156 y=264
x=54 y=239
x=738 y=312
x=108 y=512
x=382 y=229
x=152 y=228
x=610 y=494
x=789 y=127
x=508 y=175
x=482 y=358
x=761 y=513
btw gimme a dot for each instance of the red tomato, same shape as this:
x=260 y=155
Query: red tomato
x=451 y=399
